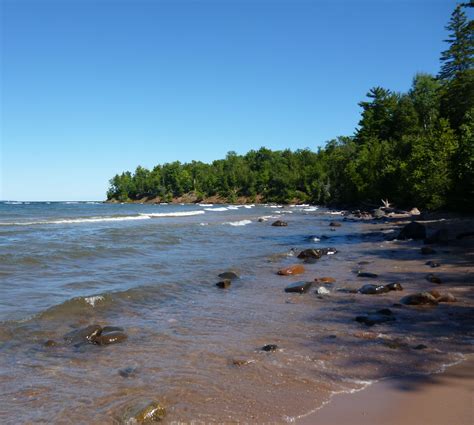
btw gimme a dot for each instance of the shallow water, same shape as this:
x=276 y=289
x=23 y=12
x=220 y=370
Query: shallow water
x=152 y=269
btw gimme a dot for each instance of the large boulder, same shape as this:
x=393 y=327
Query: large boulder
x=413 y=230
x=280 y=223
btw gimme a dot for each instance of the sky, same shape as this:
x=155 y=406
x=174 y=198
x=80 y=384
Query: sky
x=91 y=88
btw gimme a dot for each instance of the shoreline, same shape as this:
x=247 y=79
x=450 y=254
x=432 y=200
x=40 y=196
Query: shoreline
x=438 y=398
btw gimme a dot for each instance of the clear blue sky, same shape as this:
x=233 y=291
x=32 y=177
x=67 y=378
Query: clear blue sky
x=93 y=88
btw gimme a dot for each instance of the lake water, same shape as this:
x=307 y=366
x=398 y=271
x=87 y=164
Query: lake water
x=152 y=269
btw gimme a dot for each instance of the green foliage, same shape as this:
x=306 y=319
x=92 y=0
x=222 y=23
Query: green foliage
x=414 y=148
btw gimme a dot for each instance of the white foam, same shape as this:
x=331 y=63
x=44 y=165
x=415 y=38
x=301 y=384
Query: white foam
x=93 y=300
x=232 y=207
x=238 y=223
x=173 y=214
x=206 y=205
x=216 y=209
x=336 y=212
x=310 y=209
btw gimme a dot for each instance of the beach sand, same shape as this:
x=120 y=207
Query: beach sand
x=440 y=399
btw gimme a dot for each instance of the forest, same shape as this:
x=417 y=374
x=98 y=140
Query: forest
x=414 y=148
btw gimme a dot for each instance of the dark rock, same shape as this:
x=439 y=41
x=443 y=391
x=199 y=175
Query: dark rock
x=261 y=220
x=395 y=286
x=84 y=335
x=270 y=347
x=310 y=253
x=107 y=329
x=432 y=264
x=373 y=289
x=363 y=263
x=229 y=275
x=224 y=284
x=367 y=274
x=292 y=270
x=385 y=312
x=421 y=298
x=412 y=230
x=128 y=372
x=420 y=347
x=433 y=279
x=347 y=290
x=427 y=250
x=335 y=224
x=109 y=338
x=328 y=251
x=280 y=223
x=50 y=343
x=397 y=305
x=374 y=319
x=299 y=287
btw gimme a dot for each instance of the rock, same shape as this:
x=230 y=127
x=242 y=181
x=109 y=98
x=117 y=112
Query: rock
x=433 y=279
x=441 y=236
x=335 y=224
x=373 y=289
x=224 y=284
x=420 y=347
x=292 y=270
x=109 y=338
x=374 y=319
x=328 y=251
x=412 y=230
x=270 y=347
x=363 y=263
x=378 y=213
x=50 y=343
x=421 y=298
x=432 y=264
x=414 y=211
x=84 y=335
x=310 y=253
x=261 y=220
x=394 y=344
x=447 y=298
x=299 y=287
x=241 y=362
x=394 y=286
x=152 y=412
x=427 y=250
x=325 y=279
x=323 y=291
x=347 y=290
x=435 y=293
x=107 y=329
x=280 y=223
x=229 y=275
x=367 y=274
x=128 y=372
x=385 y=312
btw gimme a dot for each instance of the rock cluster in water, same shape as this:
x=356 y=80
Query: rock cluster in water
x=95 y=334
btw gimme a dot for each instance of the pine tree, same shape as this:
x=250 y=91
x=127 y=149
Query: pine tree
x=459 y=56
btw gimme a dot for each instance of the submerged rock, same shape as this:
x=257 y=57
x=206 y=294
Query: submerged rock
x=128 y=372
x=280 y=223
x=299 y=287
x=335 y=224
x=310 y=253
x=150 y=413
x=270 y=347
x=224 y=284
x=84 y=335
x=109 y=338
x=325 y=279
x=432 y=264
x=447 y=298
x=95 y=334
x=107 y=329
x=395 y=286
x=433 y=279
x=374 y=319
x=422 y=298
x=50 y=343
x=291 y=270
x=420 y=347
x=367 y=274
x=229 y=275
x=412 y=230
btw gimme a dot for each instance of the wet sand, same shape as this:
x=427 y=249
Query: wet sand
x=446 y=398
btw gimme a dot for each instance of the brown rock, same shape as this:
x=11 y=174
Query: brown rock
x=433 y=279
x=325 y=279
x=292 y=270
x=447 y=298
x=420 y=299
x=109 y=338
x=224 y=284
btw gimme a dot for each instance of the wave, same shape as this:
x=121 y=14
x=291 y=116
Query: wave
x=238 y=223
x=173 y=214
x=216 y=209
x=206 y=205
x=310 y=209
x=77 y=220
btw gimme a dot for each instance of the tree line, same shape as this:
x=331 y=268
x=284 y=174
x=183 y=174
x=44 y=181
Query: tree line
x=414 y=148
